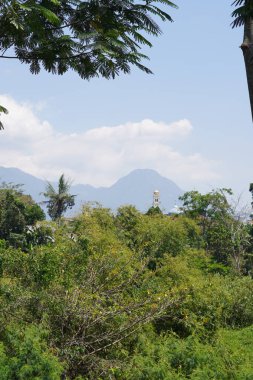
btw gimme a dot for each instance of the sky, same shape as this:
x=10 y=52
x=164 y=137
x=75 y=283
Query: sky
x=190 y=120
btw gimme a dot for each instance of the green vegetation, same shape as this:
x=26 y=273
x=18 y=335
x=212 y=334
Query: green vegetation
x=18 y=216
x=127 y=296
x=92 y=38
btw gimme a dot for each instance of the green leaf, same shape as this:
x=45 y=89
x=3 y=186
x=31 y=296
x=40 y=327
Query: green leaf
x=48 y=14
x=3 y=110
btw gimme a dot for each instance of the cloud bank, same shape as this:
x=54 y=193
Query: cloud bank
x=98 y=156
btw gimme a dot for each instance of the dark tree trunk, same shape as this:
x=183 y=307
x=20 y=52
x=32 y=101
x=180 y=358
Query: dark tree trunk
x=247 y=48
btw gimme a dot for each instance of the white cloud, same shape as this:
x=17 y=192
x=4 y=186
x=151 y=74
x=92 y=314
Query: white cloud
x=98 y=156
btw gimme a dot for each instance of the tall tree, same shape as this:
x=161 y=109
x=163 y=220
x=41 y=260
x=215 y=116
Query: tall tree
x=244 y=16
x=59 y=200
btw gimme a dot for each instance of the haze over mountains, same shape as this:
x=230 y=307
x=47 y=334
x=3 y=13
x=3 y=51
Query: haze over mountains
x=135 y=188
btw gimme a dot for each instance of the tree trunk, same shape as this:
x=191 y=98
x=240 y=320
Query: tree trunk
x=247 y=48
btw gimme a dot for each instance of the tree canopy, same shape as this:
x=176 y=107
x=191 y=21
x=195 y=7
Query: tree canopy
x=90 y=37
x=18 y=213
x=225 y=235
x=89 y=304
x=93 y=38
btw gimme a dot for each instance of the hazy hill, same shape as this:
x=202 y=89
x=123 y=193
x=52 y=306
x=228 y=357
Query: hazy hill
x=31 y=185
x=135 y=188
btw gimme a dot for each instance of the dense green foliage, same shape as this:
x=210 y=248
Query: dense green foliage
x=18 y=215
x=90 y=37
x=93 y=38
x=224 y=234
x=128 y=296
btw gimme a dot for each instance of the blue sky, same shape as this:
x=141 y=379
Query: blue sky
x=198 y=79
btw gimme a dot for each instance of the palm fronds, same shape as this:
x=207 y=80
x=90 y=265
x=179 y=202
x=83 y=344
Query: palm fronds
x=58 y=201
x=5 y=111
x=242 y=13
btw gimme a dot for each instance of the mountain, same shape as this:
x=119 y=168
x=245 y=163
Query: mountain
x=31 y=185
x=135 y=188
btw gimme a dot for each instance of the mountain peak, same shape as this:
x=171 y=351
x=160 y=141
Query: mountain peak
x=146 y=175
x=144 y=172
x=138 y=186
x=135 y=188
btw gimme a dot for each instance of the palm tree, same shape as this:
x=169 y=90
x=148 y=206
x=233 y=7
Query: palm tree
x=244 y=16
x=59 y=200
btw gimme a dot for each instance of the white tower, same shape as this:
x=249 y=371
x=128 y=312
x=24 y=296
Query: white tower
x=156 y=198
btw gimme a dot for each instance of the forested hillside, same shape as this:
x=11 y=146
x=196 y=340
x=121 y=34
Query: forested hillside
x=127 y=295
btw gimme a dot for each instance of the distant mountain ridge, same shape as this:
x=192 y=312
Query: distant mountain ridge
x=135 y=188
